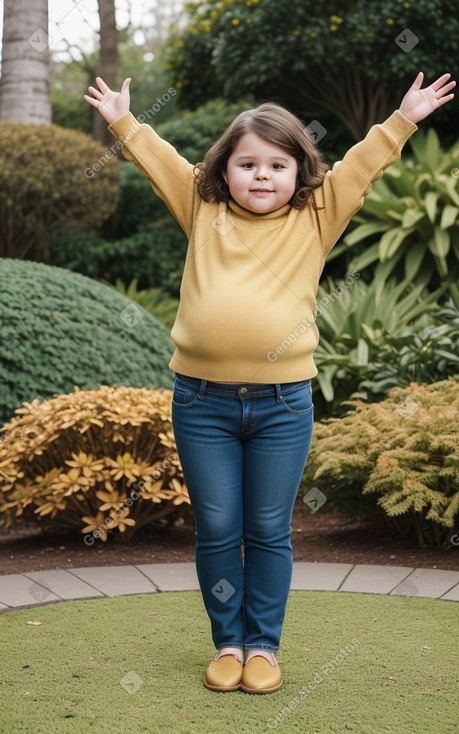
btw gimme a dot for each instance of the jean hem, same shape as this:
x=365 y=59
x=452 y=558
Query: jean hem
x=267 y=648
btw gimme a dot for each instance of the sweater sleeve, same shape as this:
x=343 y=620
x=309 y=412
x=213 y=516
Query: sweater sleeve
x=171 y=176
x=344 y=187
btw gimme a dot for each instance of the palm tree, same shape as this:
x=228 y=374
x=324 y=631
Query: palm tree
x=24 y=83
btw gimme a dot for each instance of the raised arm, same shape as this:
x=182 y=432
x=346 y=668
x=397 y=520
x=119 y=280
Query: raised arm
x=171 y=176
x=344 y=187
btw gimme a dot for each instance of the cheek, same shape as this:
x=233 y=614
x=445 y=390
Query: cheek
x=234 y=180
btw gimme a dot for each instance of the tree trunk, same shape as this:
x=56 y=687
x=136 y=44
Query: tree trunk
x=108 y=64
x=24 y=84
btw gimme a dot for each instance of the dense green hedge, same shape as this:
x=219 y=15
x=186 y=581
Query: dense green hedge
x=155 y=258
x=60 y=329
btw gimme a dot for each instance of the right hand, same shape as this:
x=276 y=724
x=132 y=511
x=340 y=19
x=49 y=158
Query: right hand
x=111 y=105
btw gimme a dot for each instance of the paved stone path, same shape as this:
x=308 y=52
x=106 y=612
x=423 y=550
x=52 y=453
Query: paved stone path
x=25 y=590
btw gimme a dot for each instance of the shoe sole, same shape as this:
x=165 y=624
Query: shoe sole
x=260 y=690
x=219 y=689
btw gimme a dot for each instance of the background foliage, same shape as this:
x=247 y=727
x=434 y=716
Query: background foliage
x=416 y=208
x=321 y=56
x=61 y=329
x=47 y=190
x=377 y=336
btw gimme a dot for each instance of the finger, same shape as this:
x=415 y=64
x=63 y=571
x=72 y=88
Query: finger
x=418 y=81
x=91 y=100
x=102 y=86
x=126 y=84
x=95 y=92
x=440 y=81
x=443 y=100
x=446 y=88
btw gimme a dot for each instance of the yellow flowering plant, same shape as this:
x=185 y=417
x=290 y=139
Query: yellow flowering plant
x=95 y=461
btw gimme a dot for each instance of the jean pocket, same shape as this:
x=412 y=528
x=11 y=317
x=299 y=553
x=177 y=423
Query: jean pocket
x=299 y=400
x=184 y=395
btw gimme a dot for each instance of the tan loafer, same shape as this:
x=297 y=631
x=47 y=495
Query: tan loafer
x=224 y=674
x=259 y=676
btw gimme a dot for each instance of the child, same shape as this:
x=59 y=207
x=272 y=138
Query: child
x=261 y=213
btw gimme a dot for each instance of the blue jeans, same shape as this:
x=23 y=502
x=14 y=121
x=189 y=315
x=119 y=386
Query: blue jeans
x=243 y=449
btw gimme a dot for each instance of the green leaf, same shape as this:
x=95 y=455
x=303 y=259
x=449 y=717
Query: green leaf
x=431 y=205
x=325 y=380
x=412 y=217
x=451 y=188
x=432 y=151
x=362 y=351
x=413 y=260
x=440 y=243
x=367 y=258
x=363 y=231
x=391 y=241
x=449 y=216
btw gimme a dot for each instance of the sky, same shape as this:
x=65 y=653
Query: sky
x=77 y=22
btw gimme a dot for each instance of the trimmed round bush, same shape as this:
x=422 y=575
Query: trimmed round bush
x=61 y=329
x=43 y=185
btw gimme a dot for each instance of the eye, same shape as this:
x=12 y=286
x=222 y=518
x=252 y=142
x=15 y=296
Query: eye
x=278 y=166
x=247 y=165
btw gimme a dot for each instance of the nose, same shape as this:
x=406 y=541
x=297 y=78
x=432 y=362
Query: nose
x=263 y=173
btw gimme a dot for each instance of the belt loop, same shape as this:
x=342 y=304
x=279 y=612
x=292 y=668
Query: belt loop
x=279 y=396
x=202 y=389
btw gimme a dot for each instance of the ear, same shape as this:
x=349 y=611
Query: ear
x=224 y=174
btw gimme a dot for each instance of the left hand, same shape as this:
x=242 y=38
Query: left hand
x=418 y=103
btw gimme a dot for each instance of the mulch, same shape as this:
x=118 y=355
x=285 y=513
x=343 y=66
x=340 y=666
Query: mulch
x=320 y=537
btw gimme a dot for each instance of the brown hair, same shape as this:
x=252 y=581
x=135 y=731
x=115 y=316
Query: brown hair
x=277 y=126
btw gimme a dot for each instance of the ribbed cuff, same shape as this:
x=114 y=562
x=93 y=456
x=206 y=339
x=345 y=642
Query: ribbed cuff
x=125 y=127
x=399 y=126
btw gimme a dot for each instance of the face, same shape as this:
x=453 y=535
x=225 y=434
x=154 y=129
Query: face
x=260 y=176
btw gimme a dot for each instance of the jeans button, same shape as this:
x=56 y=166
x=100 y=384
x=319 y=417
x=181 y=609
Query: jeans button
x=242 y=391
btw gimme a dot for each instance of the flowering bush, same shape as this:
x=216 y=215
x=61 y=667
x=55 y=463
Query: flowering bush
x=92 y=461
x=398 y=458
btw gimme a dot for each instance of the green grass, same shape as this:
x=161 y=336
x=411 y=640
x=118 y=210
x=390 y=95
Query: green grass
x=399 y=675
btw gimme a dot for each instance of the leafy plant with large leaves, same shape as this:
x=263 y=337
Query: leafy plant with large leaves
x=377 y=336
x=409 y=223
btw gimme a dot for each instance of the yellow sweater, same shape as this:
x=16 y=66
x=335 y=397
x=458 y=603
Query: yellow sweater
x=248 y=293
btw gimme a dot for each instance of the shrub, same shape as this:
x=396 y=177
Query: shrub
x=424 y=352
x=155 y=258
x=61 y=329
x=138 y=207
x=92 y=461
x=355 y=322
x=43 y=187
x=404 y=451
x=416 y=207
x=162 y=309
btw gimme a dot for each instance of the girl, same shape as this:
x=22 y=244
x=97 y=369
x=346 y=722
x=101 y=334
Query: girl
x=261 y=213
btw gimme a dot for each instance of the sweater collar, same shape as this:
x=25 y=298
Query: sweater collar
x=251 y=219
